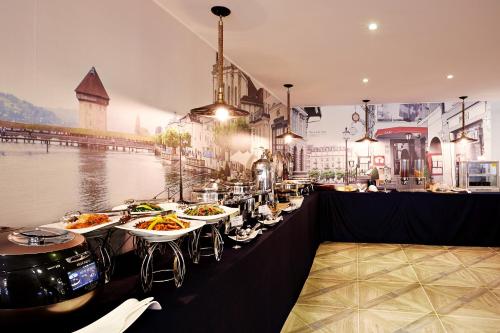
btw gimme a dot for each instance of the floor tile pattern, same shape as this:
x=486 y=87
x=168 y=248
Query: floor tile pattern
x=363 y=287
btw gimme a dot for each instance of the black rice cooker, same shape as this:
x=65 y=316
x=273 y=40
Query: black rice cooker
x=45 y=270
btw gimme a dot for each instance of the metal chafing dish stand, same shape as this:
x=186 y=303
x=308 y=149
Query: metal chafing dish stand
x=211 y=192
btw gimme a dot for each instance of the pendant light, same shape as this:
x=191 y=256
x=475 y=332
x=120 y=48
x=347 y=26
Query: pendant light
x=366 y=138
x=463 y=138
x=220 y=109
x=288 y=135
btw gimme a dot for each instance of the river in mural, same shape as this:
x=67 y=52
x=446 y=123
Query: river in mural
x=37 y=187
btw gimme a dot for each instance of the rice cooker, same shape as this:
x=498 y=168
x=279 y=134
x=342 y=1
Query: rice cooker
x=45 y=270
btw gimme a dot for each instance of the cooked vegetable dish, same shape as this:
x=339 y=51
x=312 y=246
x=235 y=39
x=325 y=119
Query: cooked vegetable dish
x=163 y=223
x=144 y=207
x=204 y=210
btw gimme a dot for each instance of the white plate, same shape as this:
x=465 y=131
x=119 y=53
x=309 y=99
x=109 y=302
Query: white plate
x=164 y=206
x=62 y=225
x=156 y=235
x=248 y=239
x=227 y=211
x=272 y=222
x=290 y=209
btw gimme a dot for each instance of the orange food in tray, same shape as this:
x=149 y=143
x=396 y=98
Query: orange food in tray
x=88 y=220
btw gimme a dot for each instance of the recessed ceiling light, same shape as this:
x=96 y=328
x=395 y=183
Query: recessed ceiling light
x=449 y=76
x=373 y=26
x=365 y=80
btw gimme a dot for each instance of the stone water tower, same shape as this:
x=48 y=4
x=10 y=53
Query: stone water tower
x=93 y=100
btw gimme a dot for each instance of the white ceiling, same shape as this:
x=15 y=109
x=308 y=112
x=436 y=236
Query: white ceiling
x=325 y=49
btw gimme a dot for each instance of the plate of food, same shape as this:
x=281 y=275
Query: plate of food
x=144 y=207
x=161 y=228
x=85 y=223
x=207 y=212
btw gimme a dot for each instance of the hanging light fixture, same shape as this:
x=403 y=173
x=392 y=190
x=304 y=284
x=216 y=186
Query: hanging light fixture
x=288 y=135
x=220 y=109
x=366 y=138
x=463 y=138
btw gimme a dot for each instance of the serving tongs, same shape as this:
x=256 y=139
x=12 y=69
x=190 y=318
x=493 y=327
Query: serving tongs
x=73 y=216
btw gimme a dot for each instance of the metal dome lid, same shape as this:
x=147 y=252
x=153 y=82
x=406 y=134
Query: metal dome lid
x=33 y=240
x=40 y=236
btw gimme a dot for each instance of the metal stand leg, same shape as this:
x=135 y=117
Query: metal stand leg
x=193 y=246
x=149 y=275
x=103 y=251
x=217 y=241
x=216 y=248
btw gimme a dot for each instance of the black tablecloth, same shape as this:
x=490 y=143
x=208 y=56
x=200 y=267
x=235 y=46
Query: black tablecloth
x=254 y=288
x=419 y=218
x=251 y=289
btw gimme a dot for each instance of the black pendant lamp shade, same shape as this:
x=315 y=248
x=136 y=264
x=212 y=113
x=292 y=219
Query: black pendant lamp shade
x=288 y=134
x=366 y=138
x=220 y=109
x=463 y=137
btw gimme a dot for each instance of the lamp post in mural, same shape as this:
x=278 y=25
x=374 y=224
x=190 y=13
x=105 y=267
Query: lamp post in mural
x=180 y=125
x=346 y=134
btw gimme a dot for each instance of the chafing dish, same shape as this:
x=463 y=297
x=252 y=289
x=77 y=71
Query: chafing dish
x=240 y=187
x=213 y=191
x=262 y=175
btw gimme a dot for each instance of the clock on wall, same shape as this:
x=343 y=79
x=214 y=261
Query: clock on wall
x=355 y=117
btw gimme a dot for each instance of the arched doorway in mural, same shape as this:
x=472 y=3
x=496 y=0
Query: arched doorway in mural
x=435 y=158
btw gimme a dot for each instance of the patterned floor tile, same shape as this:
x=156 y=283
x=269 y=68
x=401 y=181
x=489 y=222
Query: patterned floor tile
x=399 y=288
x=393 y=297
x=321 y=263
x=339 y=294
x=472 y=248
x=334 y=258
x=386 y=272
x=379 y=245
x=347 y=271
x=389 y=255
x=425 y=247
x=496 y=292
x=431 y=257
x=464 y=301
x=390 y=321
x=472 y=257
x=489 y=277
x=470 y=324
x=492 y=262
x=295 y=324
x=329 y=247
x=328 y=319
x=445 y=275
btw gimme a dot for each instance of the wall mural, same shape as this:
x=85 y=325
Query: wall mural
x=419 y=131
x=97 y=145
x=69 y=159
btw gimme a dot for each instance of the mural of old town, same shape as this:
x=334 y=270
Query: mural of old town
x=421 y=133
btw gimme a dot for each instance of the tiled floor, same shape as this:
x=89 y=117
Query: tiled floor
x=399 y=288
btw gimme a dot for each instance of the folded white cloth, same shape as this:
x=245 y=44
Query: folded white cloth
x=121 y=317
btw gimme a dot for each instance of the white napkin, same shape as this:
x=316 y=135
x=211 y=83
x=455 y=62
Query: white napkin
x=121 y=317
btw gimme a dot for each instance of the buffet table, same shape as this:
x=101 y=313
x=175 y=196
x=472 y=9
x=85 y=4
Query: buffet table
x=252 y=289
x=411 y=217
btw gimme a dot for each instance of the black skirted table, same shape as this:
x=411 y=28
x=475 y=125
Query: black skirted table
x=411 y=217
x=253 y=289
